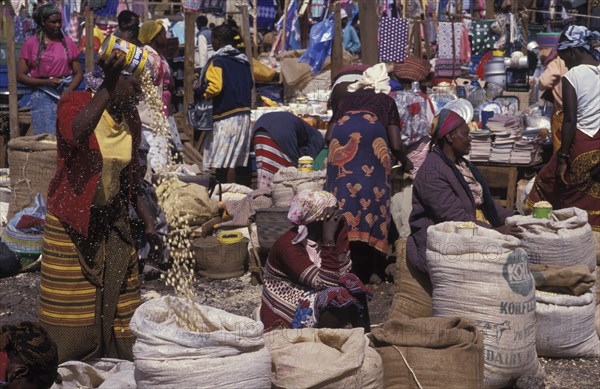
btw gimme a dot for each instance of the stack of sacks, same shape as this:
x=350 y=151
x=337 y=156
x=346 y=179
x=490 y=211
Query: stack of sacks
x=485 y=278
x=564 y=248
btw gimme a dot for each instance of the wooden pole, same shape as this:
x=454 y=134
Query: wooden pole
x=489 y=9
x=367 y=10
x=11 y=58
x=337 y=51
x=255 y=35
x=89 y=40
x=188 y=65
x=248 y=46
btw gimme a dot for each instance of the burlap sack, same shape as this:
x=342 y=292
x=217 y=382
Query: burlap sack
x=566 y=325
x=182 y=200
x=32 y=161
x=485 y=278
x=323 y=358
x=566 y=239
x=413 y=292
x=441 y=352
x=290 y=181
x=572 y=280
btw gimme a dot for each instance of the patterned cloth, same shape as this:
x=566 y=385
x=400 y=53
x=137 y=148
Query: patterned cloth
x=584 y=191
x=228 y=145
x=266 y=12
x=269 y=158
x=358 y=174
x=481 y=36
x=447 y=67
x=393 y=38
x=89 y=288
x=446 y=48
x=215 y=7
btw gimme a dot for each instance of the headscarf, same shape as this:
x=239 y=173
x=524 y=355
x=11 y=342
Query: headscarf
x=149 y=30
x=453 y=115
x=339 y=89
x=306 y=207
x=41 y=13
x=580 y=36
x=32 y=345
x=376 y=77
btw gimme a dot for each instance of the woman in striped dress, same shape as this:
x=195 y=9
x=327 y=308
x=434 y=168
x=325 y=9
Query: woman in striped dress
x=280 y=139
x=89 y=287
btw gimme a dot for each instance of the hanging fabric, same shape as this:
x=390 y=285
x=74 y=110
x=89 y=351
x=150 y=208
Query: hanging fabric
x=393 y=39
x=266 y=12
x=482 y=37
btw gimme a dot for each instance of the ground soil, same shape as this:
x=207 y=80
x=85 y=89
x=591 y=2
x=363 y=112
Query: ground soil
x=19 y=302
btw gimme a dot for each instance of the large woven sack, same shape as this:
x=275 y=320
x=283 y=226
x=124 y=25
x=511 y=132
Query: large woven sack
x=432 y=352
x=289 y=181
x=566 y=325
x=229 y=353
x=323 y=358
x=32 y=161
x=412 y=298
x=486 y=279
x=182 y=200
x=565 y=239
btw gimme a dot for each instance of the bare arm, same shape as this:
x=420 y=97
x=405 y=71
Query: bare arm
x=570 y=120
x=396 y=145
x=25 y=79
x=77 y=75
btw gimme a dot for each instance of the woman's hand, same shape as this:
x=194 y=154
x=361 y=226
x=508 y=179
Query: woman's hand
x=332 y=217
x=112 y=67
x=510 y=229
x=561 y=170
x=156 y=247
x=53 y=82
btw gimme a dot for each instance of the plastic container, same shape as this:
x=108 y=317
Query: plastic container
x=542 y=213
x=306 y=164
x=136 y=58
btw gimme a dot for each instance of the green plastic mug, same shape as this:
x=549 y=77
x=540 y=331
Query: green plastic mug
x=542 y=213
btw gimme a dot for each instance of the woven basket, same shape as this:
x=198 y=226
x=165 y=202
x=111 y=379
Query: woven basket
x=220 y=261
x=271 y=223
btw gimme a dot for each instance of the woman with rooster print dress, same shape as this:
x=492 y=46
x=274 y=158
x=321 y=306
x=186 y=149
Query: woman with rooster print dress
x=363 y=136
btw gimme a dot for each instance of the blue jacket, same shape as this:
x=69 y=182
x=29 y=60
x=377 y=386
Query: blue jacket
x=230 y=86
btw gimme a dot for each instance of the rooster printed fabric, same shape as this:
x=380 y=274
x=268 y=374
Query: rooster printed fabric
x=393 y=37
x=358 y=171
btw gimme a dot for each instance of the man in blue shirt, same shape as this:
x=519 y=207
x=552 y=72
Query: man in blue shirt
x=350 y=39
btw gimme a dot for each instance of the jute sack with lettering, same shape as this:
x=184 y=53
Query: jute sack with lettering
x=565 y=239
x=486 y=279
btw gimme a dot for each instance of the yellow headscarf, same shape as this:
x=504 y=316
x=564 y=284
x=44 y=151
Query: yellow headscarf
x=149 y=30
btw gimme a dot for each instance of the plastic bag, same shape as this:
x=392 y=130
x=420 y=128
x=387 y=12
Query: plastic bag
x=321 y=40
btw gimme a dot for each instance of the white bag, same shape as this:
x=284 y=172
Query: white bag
x=323 y=358
x=289 y=181
x=565 y=325
x=486 y=279
x=566 y=239
x=230 y=353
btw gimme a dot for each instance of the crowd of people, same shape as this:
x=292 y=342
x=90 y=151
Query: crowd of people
x=317 y=273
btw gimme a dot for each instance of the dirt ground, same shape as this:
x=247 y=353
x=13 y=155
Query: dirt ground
x=238 y=296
